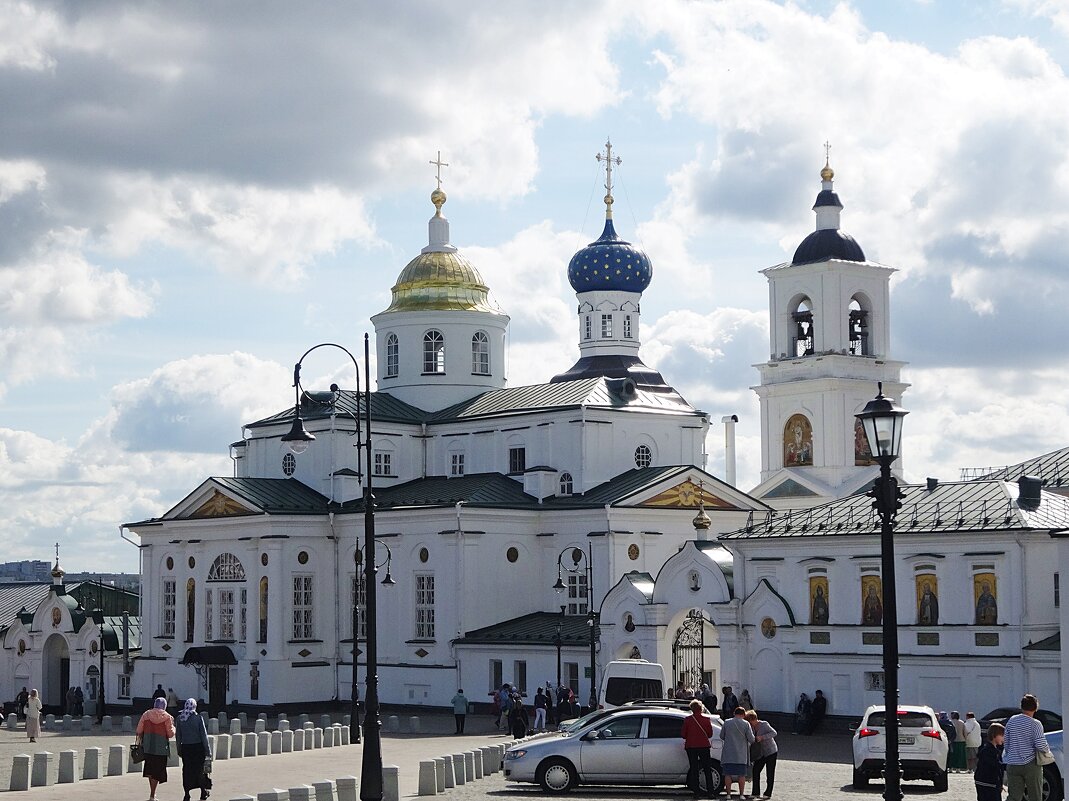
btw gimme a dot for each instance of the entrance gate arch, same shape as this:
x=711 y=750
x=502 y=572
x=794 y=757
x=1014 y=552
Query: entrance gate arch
x=688 y=652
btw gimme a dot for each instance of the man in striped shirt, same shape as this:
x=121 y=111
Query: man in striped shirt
x=1024 y=742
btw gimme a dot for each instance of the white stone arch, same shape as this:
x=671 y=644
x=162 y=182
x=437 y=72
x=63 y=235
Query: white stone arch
x=863 y=335
x=769 y=690
x=55 y=670
x=673 y=583
x=765 y=602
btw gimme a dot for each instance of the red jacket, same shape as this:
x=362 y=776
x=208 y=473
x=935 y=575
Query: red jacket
x=697 y=729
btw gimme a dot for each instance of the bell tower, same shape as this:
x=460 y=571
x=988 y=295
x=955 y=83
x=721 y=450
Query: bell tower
x=829 y=346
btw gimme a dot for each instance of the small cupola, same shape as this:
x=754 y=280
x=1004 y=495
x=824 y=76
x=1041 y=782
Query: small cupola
x=827 y=241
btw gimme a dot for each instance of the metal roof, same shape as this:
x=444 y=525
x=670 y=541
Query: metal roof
x=536 y=628
x=621 y=486
x=276 y=495
x=346 y=402
x=473 y=489
x=1052 y=468
x=949 y=507
x=16 y=595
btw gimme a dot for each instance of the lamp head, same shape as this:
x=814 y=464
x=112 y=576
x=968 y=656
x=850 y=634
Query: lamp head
x=388 y=581
x=559 y=586
x=882 y=420
x=298 y=437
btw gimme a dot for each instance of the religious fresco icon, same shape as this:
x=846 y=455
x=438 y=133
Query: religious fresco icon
x=818 y=600
x=871 y=601
x=985 y=594
x=798 y=442
x=862 y=452
x=927 y=599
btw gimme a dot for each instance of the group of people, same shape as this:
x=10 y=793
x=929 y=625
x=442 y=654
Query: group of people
x=749 y=750
x=964 y=737
x=513 y=716
x=1013 y=755
x=154 y=731
x=724 y=708
x=809 y=713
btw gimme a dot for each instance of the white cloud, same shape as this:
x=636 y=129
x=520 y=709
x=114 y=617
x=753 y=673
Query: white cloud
x=1054 y=10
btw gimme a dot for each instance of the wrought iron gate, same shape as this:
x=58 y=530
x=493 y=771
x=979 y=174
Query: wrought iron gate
x=688 y=651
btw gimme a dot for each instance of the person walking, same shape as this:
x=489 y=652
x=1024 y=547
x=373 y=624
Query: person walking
x=746 y=701
x=79 y=702
x=708 y=699
x=767 y=752
x=33 y=716
x=817 y=710
x=192 y=740
x=696 y=731
x=154 y=730
x=518 y=720
x=990 y=771
x=801 y=714
x=540 y=710
x=504 y=699
x=958 y=760
x=729 y=704
x=20 y=703
x=738 y=736
x=973 y=736
x=460 y=709
x=159 y=692
x=1023 y=744
x=172 y=701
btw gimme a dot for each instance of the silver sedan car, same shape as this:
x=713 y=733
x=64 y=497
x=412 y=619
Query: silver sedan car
x=630 y=746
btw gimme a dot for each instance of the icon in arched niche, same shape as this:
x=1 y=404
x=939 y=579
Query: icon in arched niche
x=798 y=442
x=818 y=600
x=871 y=601
x=862 y=452
x=985 y=593
x=927 y=599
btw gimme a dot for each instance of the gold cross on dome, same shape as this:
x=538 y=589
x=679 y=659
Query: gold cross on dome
x=439 y=163
x=827 y=153
x=57 y=553
x=609 y=160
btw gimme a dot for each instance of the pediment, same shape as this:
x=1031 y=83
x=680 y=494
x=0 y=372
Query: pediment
x=688 y=494
x=220 y=505
x=211 y=500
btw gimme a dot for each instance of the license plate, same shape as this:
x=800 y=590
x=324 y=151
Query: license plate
x=906 y=739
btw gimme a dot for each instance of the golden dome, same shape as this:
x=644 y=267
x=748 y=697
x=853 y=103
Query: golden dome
x=827 y=173
x=441 y=281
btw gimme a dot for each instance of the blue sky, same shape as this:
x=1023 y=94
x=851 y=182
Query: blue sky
x=189 y=199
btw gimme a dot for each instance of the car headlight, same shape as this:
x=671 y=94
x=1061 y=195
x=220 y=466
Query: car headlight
x=515 y=754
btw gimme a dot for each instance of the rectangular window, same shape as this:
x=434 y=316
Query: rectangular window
x=519 y=675
x=571 y=677
x=244 y=629
x=303 y=609
x=586 y=327
x=1057 y=591
x=358 y=600
x=209 y=624
x=384 y=464
x=169 y=591
x=456 y=468
x=124 y=685
x=226 y=614
x=425 y=607
x=517 y=460
x=606 y=326
x=496 y=678
x=627 y=326
x=577 y=594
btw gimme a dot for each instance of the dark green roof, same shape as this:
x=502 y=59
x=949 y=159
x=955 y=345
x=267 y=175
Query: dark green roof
x=317 y=405
x=536 y=628
x=474 y=489
x=1051 y=643
x=276 y=495
x=621 y=486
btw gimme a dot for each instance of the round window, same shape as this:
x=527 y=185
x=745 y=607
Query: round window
x=289 y=464
x=263 y=559
x=93 y=647
x=512 y=554
x=424 y=555
x=302 y=557
x=632 y=552
x=22 y=647
x=170 y=563
x=192 y=563
x=768 y=628
x=643 y=456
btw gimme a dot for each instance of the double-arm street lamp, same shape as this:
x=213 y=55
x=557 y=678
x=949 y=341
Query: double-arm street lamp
x=882 y=420
x=361 y=584
x=298 y=438
x=582 y=565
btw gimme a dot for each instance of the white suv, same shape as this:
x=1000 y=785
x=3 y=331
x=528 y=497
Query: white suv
x=922 y=746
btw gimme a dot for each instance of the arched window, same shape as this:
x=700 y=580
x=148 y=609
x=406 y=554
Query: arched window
x=226 y=567
x=480 y=354
x=263 y=610
x=565 y=483
x=802 y=315
x=859 y=329
x=393 y=354
x=643 y=456
x=224 y=605
x=191 y=608
x=433 y=352
x=627 y=327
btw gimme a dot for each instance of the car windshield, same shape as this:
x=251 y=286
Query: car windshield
x=579 y=723
x=906 y=720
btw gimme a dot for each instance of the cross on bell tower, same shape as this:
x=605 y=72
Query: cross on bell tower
x=439 y=164
x=609 y=159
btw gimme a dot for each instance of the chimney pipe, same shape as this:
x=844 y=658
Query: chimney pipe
x=729 y=447
x=932 y=484
x=1029 y=495
x=125 y=642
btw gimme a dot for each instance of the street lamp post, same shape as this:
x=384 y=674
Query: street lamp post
x=98 y=618
x=882 y=421
x=298 y=439
x=559 y=642
x=387 y=582
x=582 y=565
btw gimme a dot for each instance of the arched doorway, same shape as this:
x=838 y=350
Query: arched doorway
x=695 y=653
x=56 y=669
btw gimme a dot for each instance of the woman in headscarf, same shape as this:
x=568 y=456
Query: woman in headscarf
x=192 y=739
x=154 y=730
x=33 y=716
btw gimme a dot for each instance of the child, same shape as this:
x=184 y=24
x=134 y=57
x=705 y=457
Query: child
x=989 y=767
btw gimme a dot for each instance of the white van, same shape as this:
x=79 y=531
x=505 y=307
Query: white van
x=626 y=680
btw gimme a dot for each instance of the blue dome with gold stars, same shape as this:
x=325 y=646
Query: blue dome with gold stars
x=611 y=264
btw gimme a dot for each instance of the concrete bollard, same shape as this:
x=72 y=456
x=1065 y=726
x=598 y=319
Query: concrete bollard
x=302 y=719
x=328 y=737
x=49 y=722
x=283 y=725
x=347 y=788
x=460 y=776
x=222 y=746
x=469 y=766
x=87 y=723
x=298 y=739
x=91 y=765
x=244 y=718
x=324 y=791
x=116 y=760
x=276 y=742
x=224 y=721
x=428 y=784
x=490 y=761
x=172 y=754
x=68 y=767
x=105 y=723
x=287 y=742
x=450 y=776
x=41 y=772
x=317 y=738
x=302 y=792
x=413 y=724
x=235 y=726
x=477 y=761
x=262 y=716
x=347 y=720
x=263 y=743
x=128 y=723
x=308 y=726
x=274 y=795
x=393 y=723
x=237 y=746
x=325 y=722
x=260 y=725
x=250 y=744
x=345 y=735
x=391 y=785
x=12 y=721
x=20 y=773
x=65 y=723
x=213 y=726
x=211 y=744
x=439 y=774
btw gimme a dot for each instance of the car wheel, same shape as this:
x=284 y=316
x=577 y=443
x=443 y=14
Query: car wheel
x=861 y=781
x=1052 y=784
x=941 y=782
x=718 y=781
x=557 y=775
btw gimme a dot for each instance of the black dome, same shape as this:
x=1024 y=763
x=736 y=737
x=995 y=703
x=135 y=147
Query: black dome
x=828 y=243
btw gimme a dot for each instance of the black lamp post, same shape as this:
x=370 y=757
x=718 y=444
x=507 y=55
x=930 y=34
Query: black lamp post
x=386 y=582
x=559 y=642
x=98 y=618
x=582 y=565
x=882 y=420
x=298 y=439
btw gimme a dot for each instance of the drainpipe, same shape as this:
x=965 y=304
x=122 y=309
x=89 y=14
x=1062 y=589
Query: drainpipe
x=337 y=607
x=729 y=422
x=423 y=440
x=140 y=585
x=459 y=603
